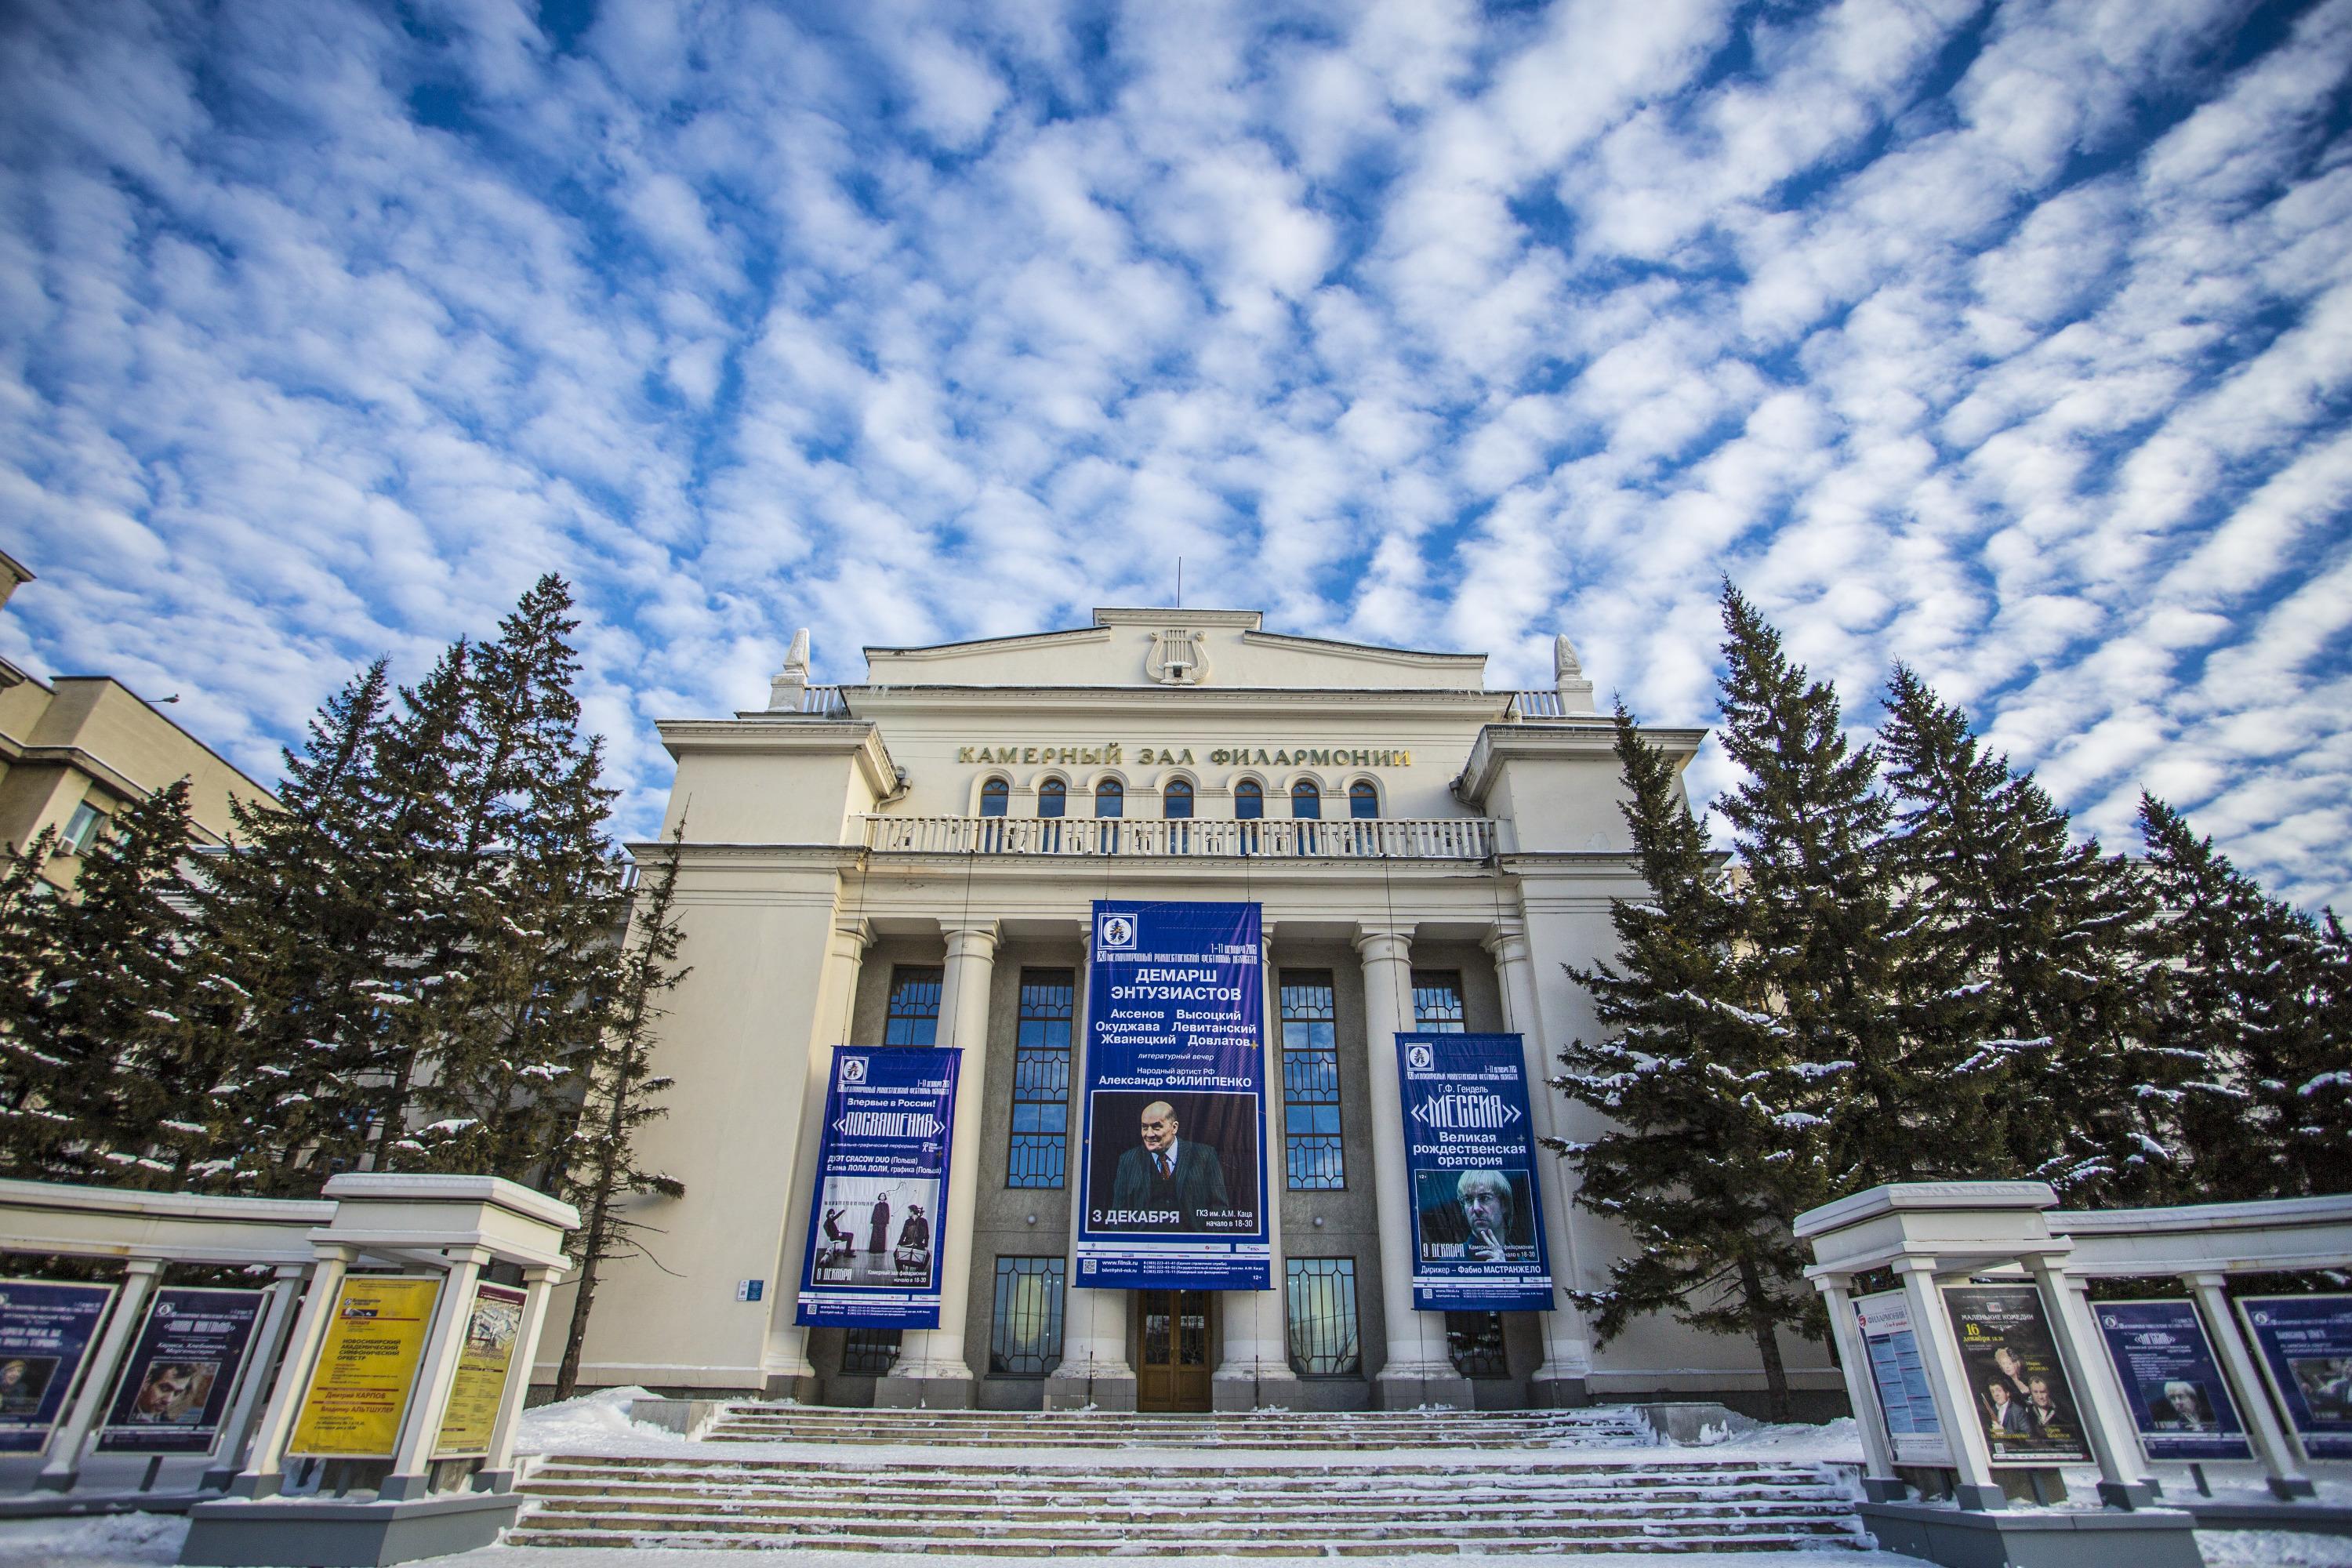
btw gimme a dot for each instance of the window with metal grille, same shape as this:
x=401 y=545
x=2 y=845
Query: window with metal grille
x=1026 y=1339
x=1473 y=1342
x=1041 y=1080
x=1321 y=1310
x=1310 y=1082
x=871 y=1352
x=1437 y=1001
x=913 y=1016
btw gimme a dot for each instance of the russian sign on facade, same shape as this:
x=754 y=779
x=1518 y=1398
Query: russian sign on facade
x=1477 y=1224
x=2179 y=1401
x=2306 y=1348
x=178 y=1380
x=1174 y=1167
x=46 y=1329
x=1899 y=1373
x=2015 y=1383
x=367 y=1369
x=881 y=1189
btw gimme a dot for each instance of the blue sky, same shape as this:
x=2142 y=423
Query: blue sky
x=2015 y=342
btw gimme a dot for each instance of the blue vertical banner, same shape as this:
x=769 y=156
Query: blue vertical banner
x=46 y=1330
x=1174 y=1164
x=1470 y=1154
x=175 y=1387
x=2306 y=1344
x=2179 y=1403
x=873 y=1258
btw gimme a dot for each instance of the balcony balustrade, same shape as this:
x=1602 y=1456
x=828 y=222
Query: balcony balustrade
x=1397 y=838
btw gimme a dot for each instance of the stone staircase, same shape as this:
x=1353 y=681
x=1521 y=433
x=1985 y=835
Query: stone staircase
x=1267 y=1484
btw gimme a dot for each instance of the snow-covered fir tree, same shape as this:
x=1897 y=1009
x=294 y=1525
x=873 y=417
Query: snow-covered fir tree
x=2021 y=966
x=1711 y=1120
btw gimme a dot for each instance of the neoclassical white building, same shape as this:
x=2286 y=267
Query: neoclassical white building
x=912 y=862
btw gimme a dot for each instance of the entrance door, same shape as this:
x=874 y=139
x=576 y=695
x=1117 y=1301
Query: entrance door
x=1173 y=1364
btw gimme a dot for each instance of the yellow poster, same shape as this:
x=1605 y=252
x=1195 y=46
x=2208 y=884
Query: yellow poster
x=473 y=1408
x=352 y=1408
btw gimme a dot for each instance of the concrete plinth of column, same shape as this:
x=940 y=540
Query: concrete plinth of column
x=1557 y=1393
x=800 y=1387
x=314 y=1532
x=1080 y=1391
x=2035 y=1538
x=922 y=1393
x=1247 y=1390
x=1412 y=1391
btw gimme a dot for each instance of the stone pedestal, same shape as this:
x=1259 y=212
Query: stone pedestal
x=1080 y=1390
x=318 y=1532
x=1413 y=1389
x=895 y=1393
x=2039 y=1538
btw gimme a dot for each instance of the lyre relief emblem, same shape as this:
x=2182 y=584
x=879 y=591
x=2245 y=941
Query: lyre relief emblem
x=1177 y=658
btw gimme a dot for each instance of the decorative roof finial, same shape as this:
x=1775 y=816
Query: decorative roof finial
x=785 y=690
x=1568 y=678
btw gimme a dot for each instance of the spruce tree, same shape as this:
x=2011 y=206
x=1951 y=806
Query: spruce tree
x=622 y=1089
x=2020 y=963
x=2241 y=1007
x=1714 y=1139
x=1819 y=920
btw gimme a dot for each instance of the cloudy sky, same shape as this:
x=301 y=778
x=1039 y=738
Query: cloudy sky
x=2012 y=340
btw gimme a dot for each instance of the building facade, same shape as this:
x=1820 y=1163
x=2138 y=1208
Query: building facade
x=77 y=750
x=913 y=862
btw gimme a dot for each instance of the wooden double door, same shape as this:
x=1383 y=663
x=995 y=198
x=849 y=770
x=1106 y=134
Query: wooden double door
x=1175 y=1349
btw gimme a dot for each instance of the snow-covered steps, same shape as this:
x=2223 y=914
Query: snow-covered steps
x=1339 y=1430
x=1191 y=1504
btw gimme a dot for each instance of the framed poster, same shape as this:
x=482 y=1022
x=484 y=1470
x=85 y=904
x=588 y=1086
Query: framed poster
x=46 y=1330
x=1913 y=1431
x=2015 y=1383
x=175 y=1386
x=2305 y=1344
x=471 y=1412
x=882 y=1168
x=1173 y=1167
x=367 y=1368
x=2179 y=1403
x=1477 y=1219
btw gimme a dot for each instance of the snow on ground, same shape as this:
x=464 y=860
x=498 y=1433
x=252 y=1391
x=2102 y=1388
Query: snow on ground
x=592 y=1423
x=117 y=1541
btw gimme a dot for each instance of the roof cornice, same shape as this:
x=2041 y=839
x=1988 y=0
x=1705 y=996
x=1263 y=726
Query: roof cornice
x=1557 y=740
x=1272 y=699
x=785 y=735
x=1372 y=652
x=993 y=645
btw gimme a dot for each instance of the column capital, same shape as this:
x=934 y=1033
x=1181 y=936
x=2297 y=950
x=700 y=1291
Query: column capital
x=1376 y=942
x=970 y=939
x=1923 y=1266
x=852 y=935
x=1507 y=942
x=2214 y=1281
x=139 y=1267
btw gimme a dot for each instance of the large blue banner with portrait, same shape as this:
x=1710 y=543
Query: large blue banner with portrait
x=1174 y=1168
x=1470 y=1154
x=46 y=1330
x=2179 y=1401
x=2305 y=1344
x=873 y=1258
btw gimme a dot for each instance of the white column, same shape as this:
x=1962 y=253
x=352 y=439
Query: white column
x=1094 y=1369
x=1256 y=1349
x=436 y=1371
x=1416 y=1341
x=1862 y=1388
x=139 y=1276
x=263 y=1474
x=1568 y=1353
x=260 y=1359
x=964 y=1022
x=1948 y=1381
x=2123 y=1481
x=787 y=1349
x=496 y=1474
x=2272 y=1445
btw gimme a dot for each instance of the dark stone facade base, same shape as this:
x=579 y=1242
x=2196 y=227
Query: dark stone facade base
x=2152 y=1538
x=800 y=1388
x=2254 y=1512
x=1230 y=1394
x=1558 y=1394
x=922 y=1393
x=1413 y=1393
x=316 y=1533
x=1116 y=1394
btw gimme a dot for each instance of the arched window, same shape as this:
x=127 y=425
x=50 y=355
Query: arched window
x=1249 y=801
x=1111 y=798
x=1053 y=798
x=1176 y=800
x=1363 y=800
x=1306 y=800
x=994 y=797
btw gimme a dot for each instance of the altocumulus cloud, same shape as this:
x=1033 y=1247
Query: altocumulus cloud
x=2013 y=340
